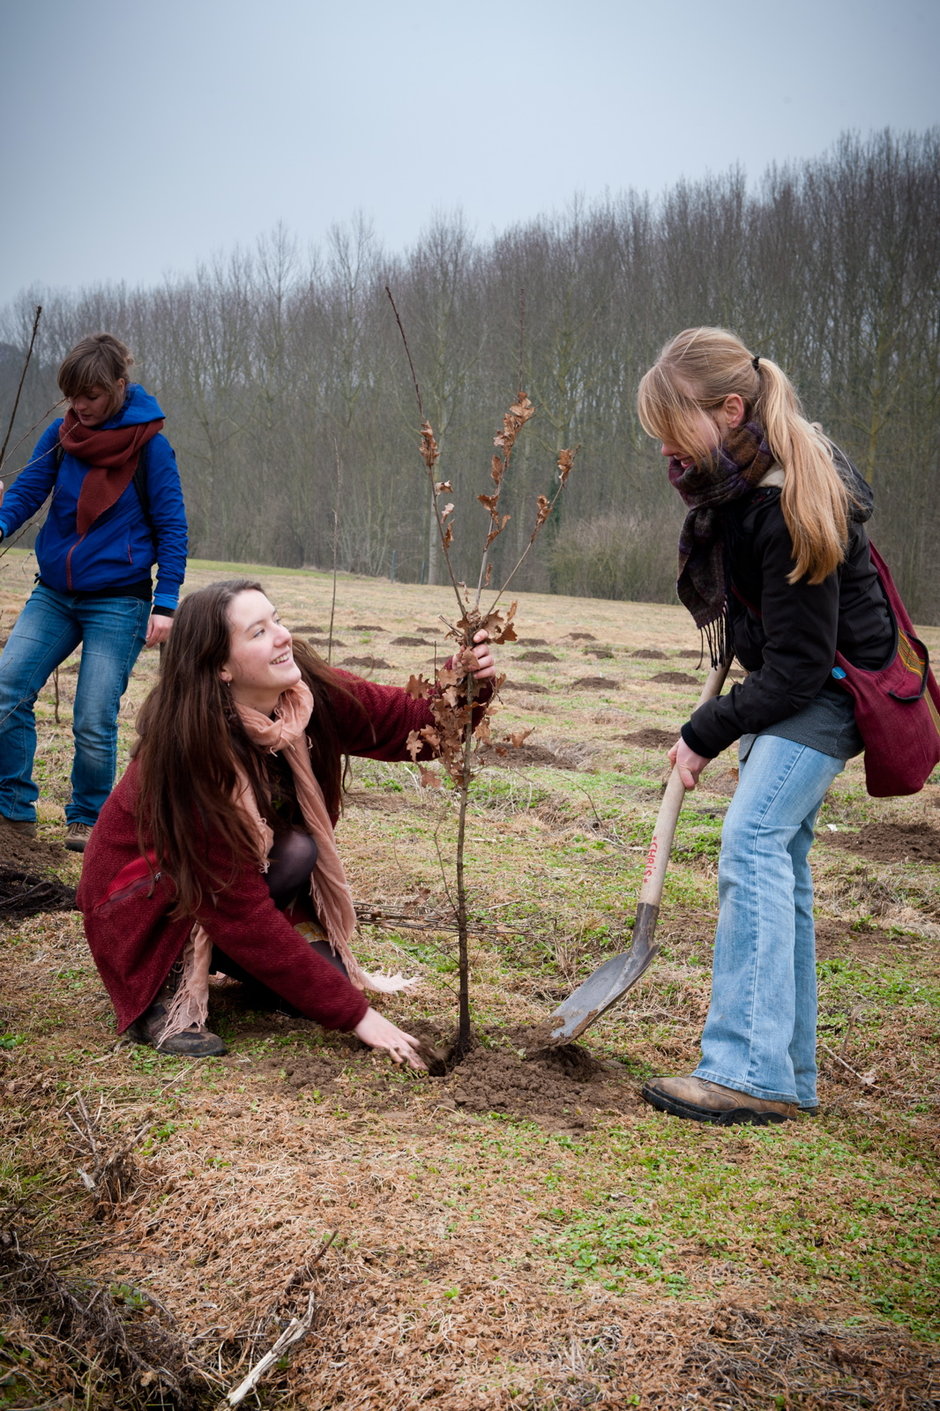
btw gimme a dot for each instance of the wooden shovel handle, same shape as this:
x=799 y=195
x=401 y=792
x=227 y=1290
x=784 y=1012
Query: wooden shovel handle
x=661 y=845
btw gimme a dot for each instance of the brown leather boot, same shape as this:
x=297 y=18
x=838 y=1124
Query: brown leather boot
x=702 y=1101
x=194 y=1042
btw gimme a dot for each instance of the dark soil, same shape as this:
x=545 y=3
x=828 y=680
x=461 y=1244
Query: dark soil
x=562 y=1090
x=596 y=683
x=890 y=842
x=519 y=755
x=649 y=654
x=581 y=637
x=30 y=854
x=652 y=739
x=536 y=656
x=675 y=678
x=367 y=627
x=411 y=642
x=371 y=663
x=534 y=687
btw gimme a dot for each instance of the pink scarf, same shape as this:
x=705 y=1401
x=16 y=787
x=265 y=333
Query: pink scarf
x=329 y=888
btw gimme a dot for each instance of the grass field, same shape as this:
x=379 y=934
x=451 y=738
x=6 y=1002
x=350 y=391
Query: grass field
x=523 y=1232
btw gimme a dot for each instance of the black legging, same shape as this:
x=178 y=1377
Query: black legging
x=290 y=863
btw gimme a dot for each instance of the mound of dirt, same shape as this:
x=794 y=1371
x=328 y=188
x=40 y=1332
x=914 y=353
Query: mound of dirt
x=598 y=653
x=367 y=627
x=537 y=656
x=410 y=642
x=649 y=654
x=890 y=842
x=651 y=739
x=562 y=1089
x=372 y=663
x=595 y=683
x=675 y=678
x=323 y=641
x=516 y=756
x=30 y=854
x=581 y=637
x=533 y=686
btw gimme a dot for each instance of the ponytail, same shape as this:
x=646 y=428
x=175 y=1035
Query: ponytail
x=695 y=372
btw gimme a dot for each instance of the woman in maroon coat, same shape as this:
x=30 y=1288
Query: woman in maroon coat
x=216 y=849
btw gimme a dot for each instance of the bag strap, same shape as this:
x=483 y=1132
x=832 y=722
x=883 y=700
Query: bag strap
x=905 y=628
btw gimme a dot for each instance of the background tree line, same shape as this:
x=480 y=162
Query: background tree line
x=291 y=407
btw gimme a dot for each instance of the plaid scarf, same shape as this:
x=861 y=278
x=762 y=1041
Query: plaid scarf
x=738 y=466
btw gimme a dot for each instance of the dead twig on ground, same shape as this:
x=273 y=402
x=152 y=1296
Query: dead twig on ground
x=296 y=1329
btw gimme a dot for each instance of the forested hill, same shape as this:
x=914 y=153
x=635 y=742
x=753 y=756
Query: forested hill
x=290 y=401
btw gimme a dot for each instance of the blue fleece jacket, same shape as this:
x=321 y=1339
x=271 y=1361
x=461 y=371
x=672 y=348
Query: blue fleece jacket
x=120 y=548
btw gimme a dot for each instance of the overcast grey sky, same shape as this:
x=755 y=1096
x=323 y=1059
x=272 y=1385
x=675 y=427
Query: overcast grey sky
x=141 y=139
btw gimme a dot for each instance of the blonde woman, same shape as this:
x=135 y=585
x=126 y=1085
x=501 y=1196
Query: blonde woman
x=774 y=567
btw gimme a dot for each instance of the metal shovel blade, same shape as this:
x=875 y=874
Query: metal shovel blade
x=609 y=983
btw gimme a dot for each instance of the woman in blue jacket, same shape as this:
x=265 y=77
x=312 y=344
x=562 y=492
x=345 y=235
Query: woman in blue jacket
x=116 y=509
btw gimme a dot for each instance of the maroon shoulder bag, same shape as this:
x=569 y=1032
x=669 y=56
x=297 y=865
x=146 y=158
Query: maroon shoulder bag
x=897 y=709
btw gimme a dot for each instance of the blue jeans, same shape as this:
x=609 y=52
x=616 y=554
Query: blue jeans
x=50 y=627
x=760 y=1034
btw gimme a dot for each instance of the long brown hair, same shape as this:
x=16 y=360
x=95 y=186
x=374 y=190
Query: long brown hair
x=191 y=741
x=695 y=372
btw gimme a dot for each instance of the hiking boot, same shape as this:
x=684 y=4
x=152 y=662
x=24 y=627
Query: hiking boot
x=24 y=826
x=77 y=835
x=702 y=1101
x=194 y=1042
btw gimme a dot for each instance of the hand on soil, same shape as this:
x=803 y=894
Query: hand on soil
x=376 y=1031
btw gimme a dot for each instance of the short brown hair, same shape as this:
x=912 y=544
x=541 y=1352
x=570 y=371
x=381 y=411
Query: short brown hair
x=100 y=360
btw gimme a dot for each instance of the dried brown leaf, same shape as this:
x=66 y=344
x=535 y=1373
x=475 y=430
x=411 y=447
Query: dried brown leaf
x=418 y=687
x=429 y=448
x=565 y=462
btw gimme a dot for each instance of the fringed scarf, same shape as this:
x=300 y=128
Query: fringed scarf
x=329 y=888
x=741 y=463
x=112 y=454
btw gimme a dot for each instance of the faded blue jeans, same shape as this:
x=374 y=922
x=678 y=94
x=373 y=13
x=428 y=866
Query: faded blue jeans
x=50 y=627
x=760 y=1034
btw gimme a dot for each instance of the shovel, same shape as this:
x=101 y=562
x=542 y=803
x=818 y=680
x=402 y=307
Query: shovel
x=611 y=981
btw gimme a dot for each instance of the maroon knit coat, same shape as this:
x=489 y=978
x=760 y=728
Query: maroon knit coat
x=134 y=940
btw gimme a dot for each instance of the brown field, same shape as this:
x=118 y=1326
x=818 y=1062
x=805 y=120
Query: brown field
x=522 y=1232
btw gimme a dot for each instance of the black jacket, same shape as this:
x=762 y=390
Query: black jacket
x=786 y=635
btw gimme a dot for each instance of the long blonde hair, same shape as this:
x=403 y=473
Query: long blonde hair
x=695 y=372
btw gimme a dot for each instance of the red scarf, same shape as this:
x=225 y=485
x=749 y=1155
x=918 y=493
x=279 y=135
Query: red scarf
x=111 y=454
